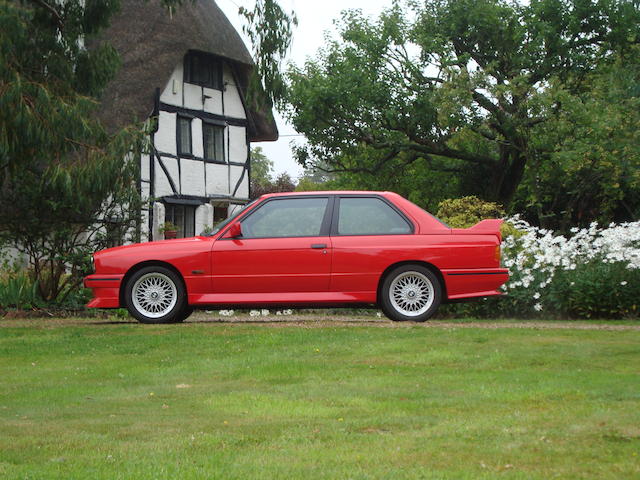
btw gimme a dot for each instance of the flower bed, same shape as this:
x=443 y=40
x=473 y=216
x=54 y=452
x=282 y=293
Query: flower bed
x=594 y=273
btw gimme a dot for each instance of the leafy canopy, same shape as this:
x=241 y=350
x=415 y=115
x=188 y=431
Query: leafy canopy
x=452 y=91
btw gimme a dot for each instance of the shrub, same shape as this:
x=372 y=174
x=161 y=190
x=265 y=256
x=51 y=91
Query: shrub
x=596 y=290
x=18 y=290
x=467 y=211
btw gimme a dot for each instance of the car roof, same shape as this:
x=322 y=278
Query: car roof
x=329 y=192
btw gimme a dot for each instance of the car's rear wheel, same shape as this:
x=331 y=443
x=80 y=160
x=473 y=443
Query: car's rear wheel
x=186 y=313
x=155 y=294
x=410 y=293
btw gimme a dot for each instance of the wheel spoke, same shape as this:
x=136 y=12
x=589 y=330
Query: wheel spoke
x=411 y=293
x=154 y=295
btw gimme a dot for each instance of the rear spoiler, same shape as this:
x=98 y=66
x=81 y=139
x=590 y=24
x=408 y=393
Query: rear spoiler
x=483 y=227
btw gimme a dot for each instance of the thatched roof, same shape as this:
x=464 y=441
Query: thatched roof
x=151 y=43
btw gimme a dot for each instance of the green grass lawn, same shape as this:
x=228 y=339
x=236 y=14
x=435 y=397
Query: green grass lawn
x=255 y=401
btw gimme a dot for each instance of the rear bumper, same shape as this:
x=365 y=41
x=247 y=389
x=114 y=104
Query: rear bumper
x=106 y=290
x=472 y=283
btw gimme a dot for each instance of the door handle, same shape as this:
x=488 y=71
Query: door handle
x=318 y=245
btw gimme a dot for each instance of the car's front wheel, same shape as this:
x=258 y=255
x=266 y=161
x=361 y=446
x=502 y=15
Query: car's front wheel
x=156 y=294
x=410 y=293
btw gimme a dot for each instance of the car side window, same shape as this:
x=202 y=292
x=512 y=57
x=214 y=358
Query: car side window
x=291 y=217
x=370 y=216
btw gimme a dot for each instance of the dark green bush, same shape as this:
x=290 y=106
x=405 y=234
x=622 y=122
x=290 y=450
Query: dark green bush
x=596 y=290
x=467 y=211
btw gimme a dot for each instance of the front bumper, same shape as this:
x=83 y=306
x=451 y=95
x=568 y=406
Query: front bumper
x=106 y=290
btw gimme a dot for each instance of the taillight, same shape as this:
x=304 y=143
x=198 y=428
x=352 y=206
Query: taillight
x=496 y=254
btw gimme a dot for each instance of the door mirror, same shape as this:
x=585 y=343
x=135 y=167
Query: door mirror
x=235 y=231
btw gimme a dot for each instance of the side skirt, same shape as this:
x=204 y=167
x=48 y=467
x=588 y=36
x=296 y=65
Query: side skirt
x=284 y=299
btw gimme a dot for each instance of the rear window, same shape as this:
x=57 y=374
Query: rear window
x=370 y=216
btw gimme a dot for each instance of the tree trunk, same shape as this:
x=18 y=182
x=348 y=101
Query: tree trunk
x=508 y=174
x=511 y=178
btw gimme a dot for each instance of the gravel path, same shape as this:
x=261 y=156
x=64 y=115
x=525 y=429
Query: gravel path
x=324 y=321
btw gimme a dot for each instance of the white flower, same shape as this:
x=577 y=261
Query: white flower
x=264 y=312
x=536 y=296
x=623 y=283
x=254 y=313
x=537 y=307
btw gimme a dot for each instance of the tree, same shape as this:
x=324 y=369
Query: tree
x=454 y=92
x=262 y=176
x=270 y=29
x=592 y=168
x=261 y=170
x=62 y=178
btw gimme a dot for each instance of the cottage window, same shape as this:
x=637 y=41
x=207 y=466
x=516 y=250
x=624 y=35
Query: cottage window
x=183 y=217
x=203 y=69
x=213 y=136
x=184 y=136
x=220 y=214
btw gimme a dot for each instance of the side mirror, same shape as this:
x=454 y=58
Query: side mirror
x=235 y=231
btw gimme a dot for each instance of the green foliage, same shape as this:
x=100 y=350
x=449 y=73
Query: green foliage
x=467 y=211
x=592 y=170
x=168 y=226
x=449 y=98
x=306 y=184
x=261 y=169
x=596 y=290
x=18 y=290
x=270 y=30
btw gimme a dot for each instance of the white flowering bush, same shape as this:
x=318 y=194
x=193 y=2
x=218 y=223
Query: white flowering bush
x=593 y=273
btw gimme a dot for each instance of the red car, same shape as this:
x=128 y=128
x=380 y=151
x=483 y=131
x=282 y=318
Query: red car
x=320 y=249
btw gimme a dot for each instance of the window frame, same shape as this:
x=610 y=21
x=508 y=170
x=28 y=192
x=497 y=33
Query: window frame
x=215 y=73
x=179 y=145
x=336 y=217
x=223 y=128
x=325 y=225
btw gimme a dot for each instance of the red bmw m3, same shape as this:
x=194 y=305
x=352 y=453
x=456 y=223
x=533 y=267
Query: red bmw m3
x=312 y=249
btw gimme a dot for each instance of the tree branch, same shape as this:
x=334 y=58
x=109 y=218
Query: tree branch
x=52 y=10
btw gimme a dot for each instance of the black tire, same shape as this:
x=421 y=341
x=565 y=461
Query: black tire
x=186 y=313
x=169 y=286
x=422 y=297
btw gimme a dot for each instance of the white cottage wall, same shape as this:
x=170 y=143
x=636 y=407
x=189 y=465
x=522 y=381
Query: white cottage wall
x=165 y=137
x=192 y=178
x=233 y=106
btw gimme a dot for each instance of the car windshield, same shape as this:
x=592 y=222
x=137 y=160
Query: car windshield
x=224 y=223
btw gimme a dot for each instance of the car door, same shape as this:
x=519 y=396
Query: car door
x=284 y=248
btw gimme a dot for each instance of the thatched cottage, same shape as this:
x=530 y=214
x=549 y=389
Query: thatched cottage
x=191 y=70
